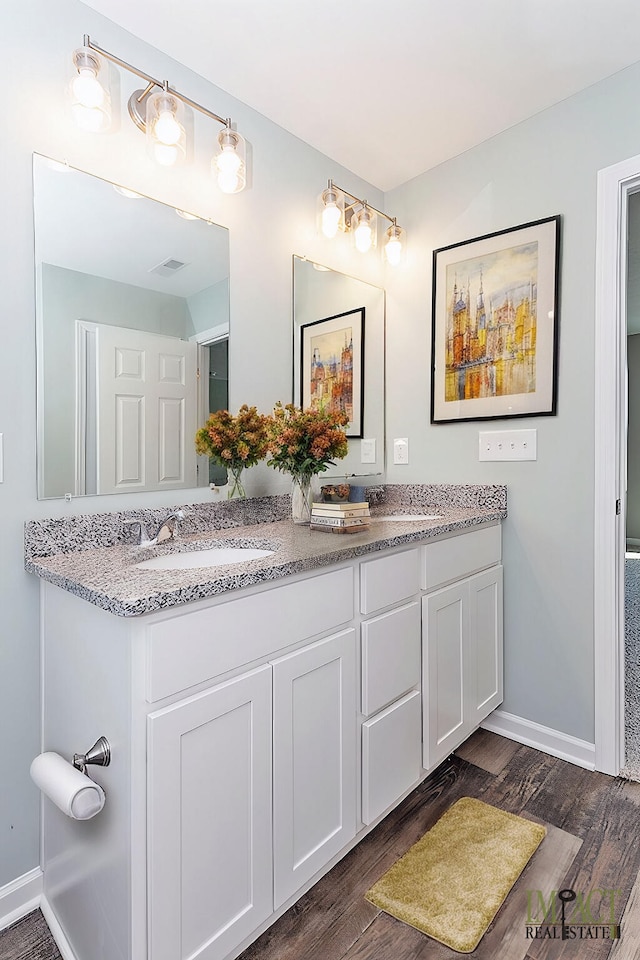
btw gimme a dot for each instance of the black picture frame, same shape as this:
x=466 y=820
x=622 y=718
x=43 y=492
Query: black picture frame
x=332 y=366
x=495 y=323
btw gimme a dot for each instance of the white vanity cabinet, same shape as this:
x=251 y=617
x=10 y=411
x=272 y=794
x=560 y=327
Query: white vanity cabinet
x=209 y=819
x=462 y=639
x=390 y=680
x=256 y=737
x=314 y=759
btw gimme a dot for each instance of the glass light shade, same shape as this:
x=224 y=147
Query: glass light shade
x=90 y=97
x=229 y=164
x=166 y=137
x=364 y=230
x=395 y=245
x=330 y=212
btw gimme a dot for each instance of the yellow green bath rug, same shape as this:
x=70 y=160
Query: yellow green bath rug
x=452 y=882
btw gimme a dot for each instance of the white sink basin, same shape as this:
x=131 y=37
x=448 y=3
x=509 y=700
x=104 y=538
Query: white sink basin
x=404 y=517
x=212 y=557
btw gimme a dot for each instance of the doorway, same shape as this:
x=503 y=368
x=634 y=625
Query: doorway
x=616 y=185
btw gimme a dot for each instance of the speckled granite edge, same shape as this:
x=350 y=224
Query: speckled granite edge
x=88 y=556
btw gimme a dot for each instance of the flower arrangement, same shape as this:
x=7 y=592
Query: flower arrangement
x=234 y=442
x=305 y=442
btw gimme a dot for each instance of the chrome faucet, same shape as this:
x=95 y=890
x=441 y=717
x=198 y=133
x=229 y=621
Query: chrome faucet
x=167 y=530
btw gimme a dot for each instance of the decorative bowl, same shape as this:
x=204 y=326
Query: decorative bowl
x=335 y=493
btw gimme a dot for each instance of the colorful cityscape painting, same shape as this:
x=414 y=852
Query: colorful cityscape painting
x=331 y=366
x=491 y=324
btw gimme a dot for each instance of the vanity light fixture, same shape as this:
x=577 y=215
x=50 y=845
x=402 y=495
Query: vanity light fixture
x=340 y=210
x=157 y=110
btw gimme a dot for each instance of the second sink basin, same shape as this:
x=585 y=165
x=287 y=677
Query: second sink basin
x=400 y=517
x=211 y=557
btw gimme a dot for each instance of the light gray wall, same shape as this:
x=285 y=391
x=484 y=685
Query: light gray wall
x=544 y=166
x=633 y=438
x=68 y=296
x=210 y=307
x=268 y=223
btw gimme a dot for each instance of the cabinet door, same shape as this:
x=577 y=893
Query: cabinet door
x=314 y=759
x=209 y=780
x=445 y=618
x=485 y=624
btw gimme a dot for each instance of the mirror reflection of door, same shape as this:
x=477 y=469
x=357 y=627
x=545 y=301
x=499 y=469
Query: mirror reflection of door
x=136 y=410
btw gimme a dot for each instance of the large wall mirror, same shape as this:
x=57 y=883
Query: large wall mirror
x=132 y=304
x=339 y=350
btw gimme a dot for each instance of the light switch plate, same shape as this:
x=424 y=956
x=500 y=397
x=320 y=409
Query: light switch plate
x=401 y=450
x=368 y=451
x=507 y=445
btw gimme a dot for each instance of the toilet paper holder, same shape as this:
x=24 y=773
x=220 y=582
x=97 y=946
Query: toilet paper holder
x=99 y=754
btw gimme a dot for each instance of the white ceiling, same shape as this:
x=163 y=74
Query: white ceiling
x=391 y=88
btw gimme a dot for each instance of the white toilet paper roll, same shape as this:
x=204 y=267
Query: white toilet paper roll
x=72 y=792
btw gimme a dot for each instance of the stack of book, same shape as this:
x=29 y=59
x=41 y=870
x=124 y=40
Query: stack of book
x=340 y=517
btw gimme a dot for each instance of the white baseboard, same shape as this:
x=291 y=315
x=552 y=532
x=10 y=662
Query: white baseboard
x=57 y=932
x=20 y=897
x=558 y=744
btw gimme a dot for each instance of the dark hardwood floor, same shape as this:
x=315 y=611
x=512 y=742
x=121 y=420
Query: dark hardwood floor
x=593 y=828
x=593 y=824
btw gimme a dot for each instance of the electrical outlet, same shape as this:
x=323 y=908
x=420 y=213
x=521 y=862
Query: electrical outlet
x=401 y=450
x=507 y=445
x=368 y=451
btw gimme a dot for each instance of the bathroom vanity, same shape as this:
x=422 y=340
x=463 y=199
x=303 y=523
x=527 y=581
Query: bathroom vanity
x=261 y=729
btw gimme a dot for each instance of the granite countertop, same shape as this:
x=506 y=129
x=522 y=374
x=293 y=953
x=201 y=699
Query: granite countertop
x=107 y=575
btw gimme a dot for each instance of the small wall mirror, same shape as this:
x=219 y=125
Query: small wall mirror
x=132 y=319
x=338 y=359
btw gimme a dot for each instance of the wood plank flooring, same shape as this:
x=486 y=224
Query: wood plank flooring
x=593 y=824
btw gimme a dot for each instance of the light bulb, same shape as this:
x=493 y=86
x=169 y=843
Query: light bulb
x=228 y=182
x=166 y=154
x=87 y=89
x=393 y=252
x=330 y=220
x=89 y=119
x=228 y=162
x=362 y=237
x=167 y=129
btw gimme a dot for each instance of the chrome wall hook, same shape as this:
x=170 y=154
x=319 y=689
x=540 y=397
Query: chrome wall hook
x=99 y=754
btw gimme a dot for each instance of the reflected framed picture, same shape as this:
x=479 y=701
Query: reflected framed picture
x=332 y=366
x=494 y=344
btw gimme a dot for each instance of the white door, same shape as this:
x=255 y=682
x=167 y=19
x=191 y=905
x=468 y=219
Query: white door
x=146 y=396
x=314 y=759
x=209 y=780
x=445 y=639
x=485 y=654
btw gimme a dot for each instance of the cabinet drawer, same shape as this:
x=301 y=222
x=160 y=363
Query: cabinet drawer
x=194 y=647
x=457 y=557
x=390 y=755
x=390 y=656
x=388 y=580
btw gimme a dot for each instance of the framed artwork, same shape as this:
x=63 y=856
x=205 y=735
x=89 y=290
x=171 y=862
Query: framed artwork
x=494 y=345
x=332 y=366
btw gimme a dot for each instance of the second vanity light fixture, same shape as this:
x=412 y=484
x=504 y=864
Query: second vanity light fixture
x=341 y=210
x=157 y=110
